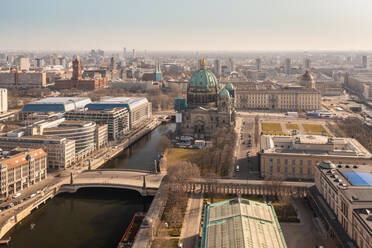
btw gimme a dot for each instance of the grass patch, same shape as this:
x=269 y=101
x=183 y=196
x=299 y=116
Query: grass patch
x=314 y=129
x=291 y=126
x=271 y=127
x=165 y=243
x=175 y=155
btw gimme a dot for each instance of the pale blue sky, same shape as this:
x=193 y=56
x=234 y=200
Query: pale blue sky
x=236 y=25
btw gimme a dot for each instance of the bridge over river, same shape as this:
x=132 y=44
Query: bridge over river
x=147 y=183
x=144 y=182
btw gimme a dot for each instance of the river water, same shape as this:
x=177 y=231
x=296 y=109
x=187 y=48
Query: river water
x=90 y=217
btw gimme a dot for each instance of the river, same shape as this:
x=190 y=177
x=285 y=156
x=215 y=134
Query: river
x=90 y=217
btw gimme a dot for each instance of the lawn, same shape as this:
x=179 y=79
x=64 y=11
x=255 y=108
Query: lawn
x=179 y=154
x=314 y=128
x=291 y=126
x=165 y=243
x=271 y=127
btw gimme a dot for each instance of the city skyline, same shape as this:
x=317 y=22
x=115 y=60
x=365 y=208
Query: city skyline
x=187 y=25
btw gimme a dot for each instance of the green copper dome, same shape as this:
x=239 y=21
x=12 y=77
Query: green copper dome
x=203 y=79
x=224 y=93
x=229 y=86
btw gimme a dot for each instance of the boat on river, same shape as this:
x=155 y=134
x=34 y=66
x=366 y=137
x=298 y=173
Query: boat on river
x=131 y=232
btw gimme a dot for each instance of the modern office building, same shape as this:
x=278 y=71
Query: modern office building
x=365 y=61
x=22 y=80
x=82 y=132
x=287 y=66
x=60 y=151
x=343 y=195
x=360 y=84
x=295 y=157
x=52 y=105
x=140 y=109
x=24 y=64
x=101 y=136
x=258 y=64
x=21 y=168
x=217 y=68
x=117 y=119
x=307 y=63
x=3 y=100
x=241 y=223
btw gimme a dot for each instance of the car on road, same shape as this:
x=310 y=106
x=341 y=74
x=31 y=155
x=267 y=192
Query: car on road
x=17 y=195
x=32 y=195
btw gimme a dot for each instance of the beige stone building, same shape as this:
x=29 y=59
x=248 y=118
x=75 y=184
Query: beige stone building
x=21 y=168
x=269 y=96
x=295 y=157
x=347 y=191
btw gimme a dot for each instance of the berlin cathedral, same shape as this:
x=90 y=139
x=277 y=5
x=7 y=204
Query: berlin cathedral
x=208 y=106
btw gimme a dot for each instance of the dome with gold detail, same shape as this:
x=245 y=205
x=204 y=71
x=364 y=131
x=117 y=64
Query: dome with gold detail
x=203 y=79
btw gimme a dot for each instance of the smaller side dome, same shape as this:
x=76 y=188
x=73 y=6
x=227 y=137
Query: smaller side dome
x=224 y=93
x=229 y=86
x=307 y=76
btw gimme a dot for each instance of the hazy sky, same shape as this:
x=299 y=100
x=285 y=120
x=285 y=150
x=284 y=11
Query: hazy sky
x=236 y=25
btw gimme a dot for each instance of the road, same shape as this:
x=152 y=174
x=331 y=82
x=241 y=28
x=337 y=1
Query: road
x=248 y=164
x=189 y=237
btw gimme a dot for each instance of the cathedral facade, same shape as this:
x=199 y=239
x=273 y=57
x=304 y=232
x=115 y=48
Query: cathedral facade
x=208 y=106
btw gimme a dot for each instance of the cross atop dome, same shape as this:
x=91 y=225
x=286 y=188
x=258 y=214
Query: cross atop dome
x=203 y=63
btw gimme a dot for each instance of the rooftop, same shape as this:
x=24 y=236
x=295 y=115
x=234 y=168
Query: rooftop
x=56 y=104
x=19 y=157
x=354 y=181
x=241 y=223
x=313 y=144
x=117 y=102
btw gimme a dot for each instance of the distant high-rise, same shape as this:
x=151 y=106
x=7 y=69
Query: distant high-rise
x=124 y=52
x=134 y=53
x=288 y=66
x=112 y=64
x=38 y=62
x=231 y=63
x=348 y=60
x=365 y=61
x=3 y=100
x=217 y=67
x=307 y=63
x=24 y=64
x=199 y=64
x=76 y=69
x=258 y=64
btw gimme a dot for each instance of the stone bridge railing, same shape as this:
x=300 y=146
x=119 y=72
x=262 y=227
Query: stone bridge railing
x=296 y=191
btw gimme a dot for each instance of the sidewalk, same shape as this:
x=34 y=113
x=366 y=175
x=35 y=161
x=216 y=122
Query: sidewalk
x=191 y=223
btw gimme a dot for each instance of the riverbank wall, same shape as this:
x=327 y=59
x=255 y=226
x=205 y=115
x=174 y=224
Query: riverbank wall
x=151 y=223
